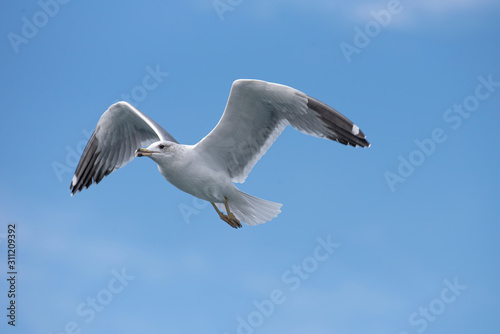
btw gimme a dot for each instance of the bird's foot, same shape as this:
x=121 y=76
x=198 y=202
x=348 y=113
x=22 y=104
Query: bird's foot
x=231 y=220
x=236 y=222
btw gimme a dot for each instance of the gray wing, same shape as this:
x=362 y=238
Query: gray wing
x=256 y=114
x=120 y=131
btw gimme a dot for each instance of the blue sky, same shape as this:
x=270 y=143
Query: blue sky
x=399 y=238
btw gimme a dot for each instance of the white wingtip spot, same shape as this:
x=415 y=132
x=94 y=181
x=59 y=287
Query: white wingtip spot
x=74 y=180
x=355 y=129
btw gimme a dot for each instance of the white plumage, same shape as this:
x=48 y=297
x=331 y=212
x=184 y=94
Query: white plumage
x=256 y=114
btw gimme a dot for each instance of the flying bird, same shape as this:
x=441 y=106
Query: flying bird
x=256 y=113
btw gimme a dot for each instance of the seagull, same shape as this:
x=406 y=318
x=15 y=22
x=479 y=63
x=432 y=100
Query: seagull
x=256 y=113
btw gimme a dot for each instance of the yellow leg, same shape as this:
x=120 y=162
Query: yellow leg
x=217 y=209
x=229 y=218
x=230 y=214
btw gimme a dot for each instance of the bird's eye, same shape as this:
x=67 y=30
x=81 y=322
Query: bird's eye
x=161 y=146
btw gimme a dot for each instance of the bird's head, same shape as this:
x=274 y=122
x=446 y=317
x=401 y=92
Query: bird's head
x=156 y=151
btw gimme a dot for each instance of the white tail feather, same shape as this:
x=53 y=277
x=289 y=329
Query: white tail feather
x=251 y=210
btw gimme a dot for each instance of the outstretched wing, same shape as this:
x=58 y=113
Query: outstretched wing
x=120 y=131
x=256 y=114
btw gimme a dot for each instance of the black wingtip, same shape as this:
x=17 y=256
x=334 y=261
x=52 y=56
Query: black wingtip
x=343 y=130
x=73 y=187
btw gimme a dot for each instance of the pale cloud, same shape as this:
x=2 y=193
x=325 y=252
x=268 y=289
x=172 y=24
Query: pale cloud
x=415 y=12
